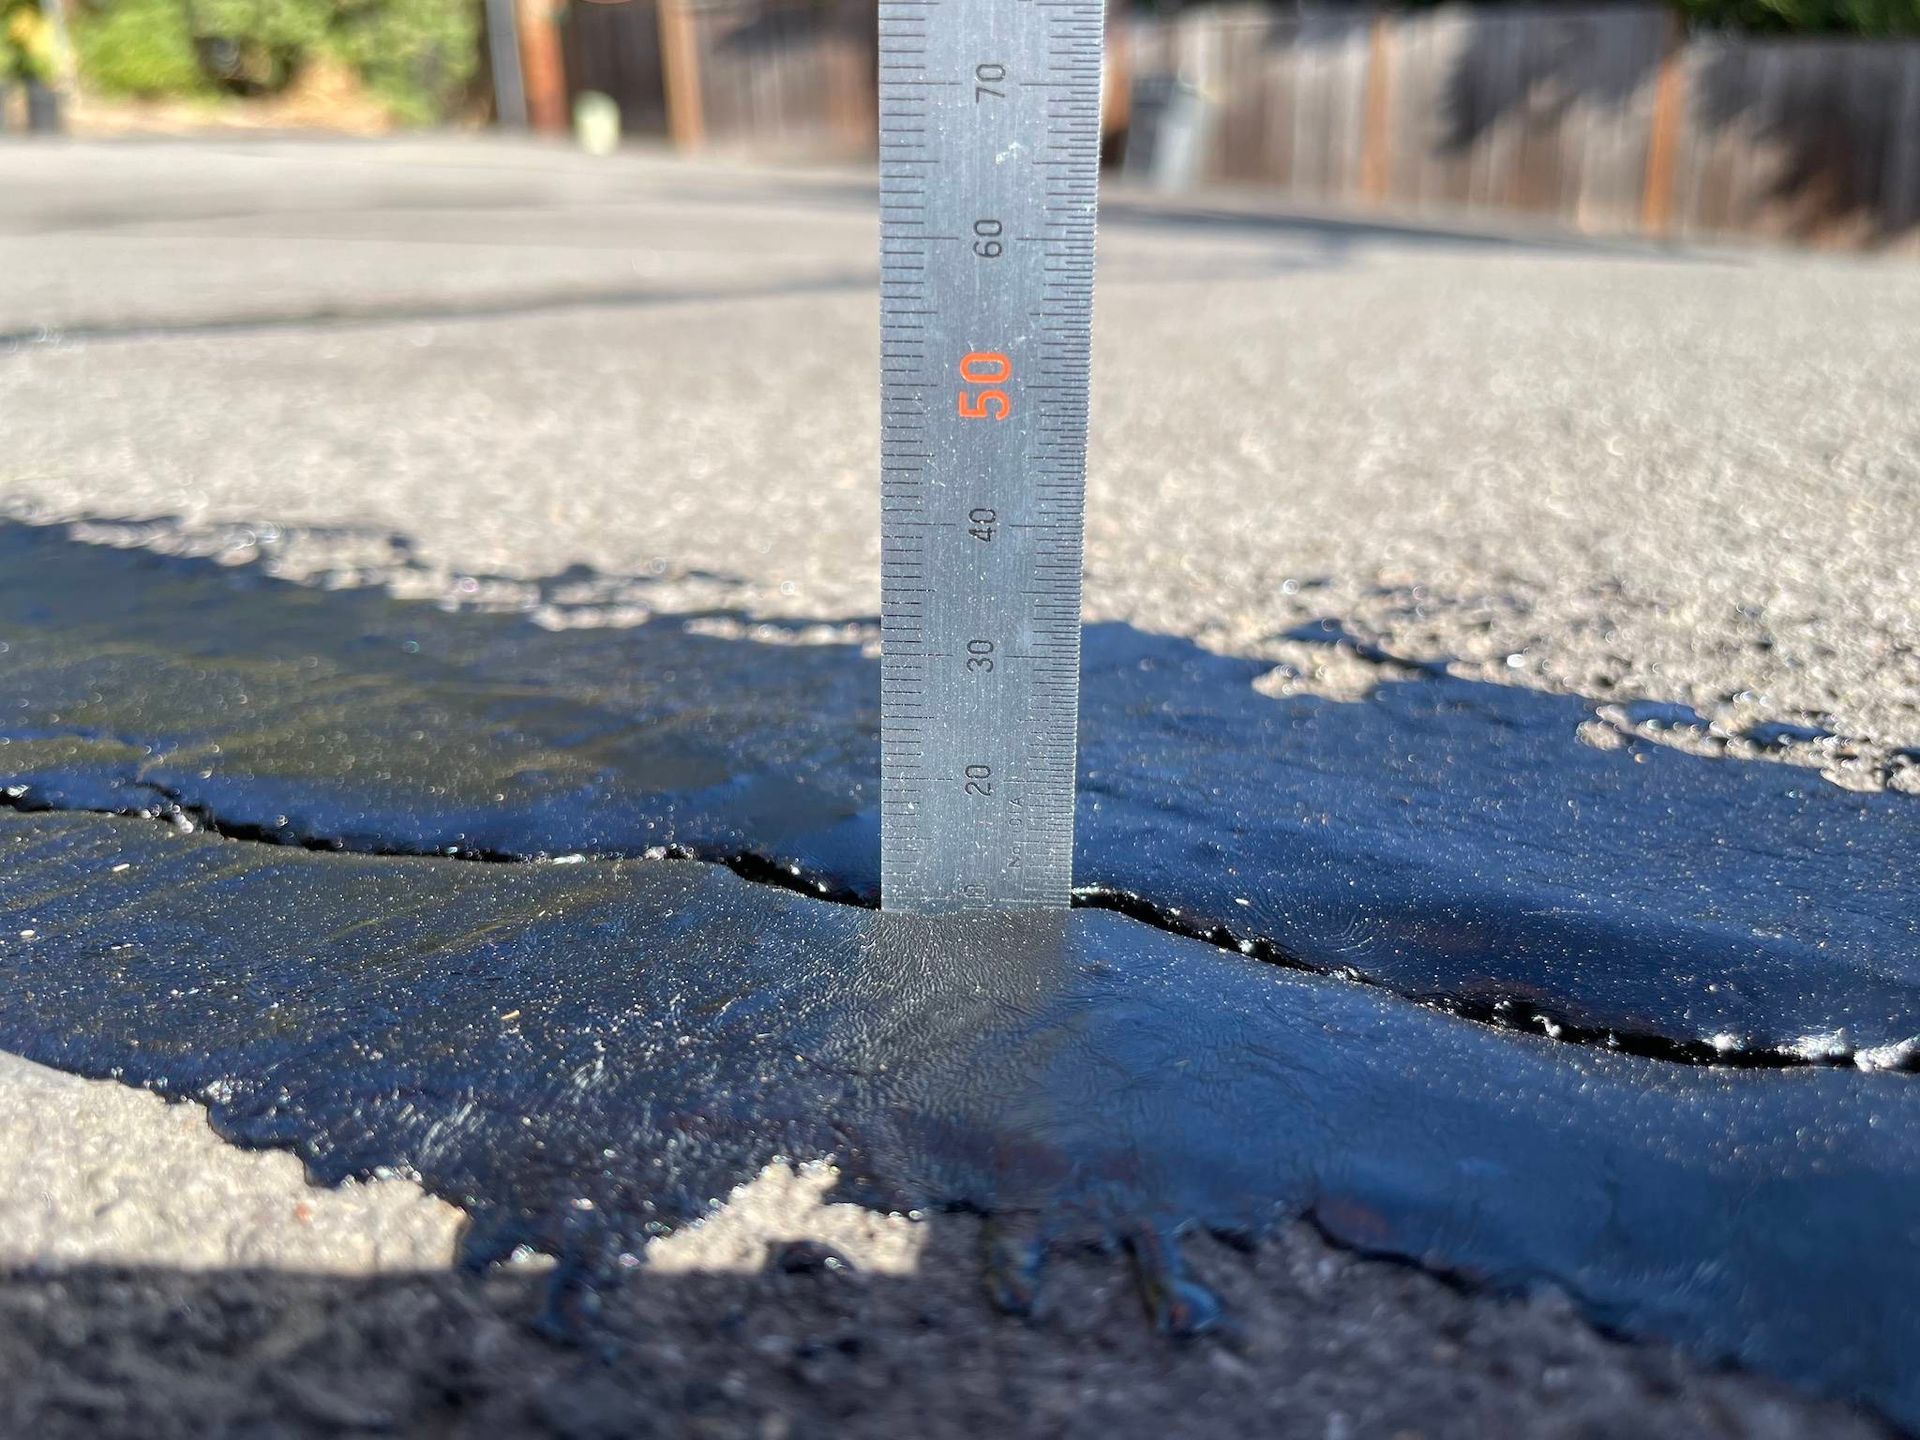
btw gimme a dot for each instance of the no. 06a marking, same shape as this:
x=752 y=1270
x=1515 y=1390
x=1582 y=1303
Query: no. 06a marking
x=989 y=150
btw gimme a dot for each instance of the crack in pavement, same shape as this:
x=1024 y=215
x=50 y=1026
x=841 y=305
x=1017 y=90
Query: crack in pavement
x=371 y=314
x=1518 y=1014
x=1446 y=841
x=1503 y=1013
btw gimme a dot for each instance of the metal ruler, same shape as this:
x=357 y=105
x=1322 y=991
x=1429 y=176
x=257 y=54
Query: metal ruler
x=989 y=172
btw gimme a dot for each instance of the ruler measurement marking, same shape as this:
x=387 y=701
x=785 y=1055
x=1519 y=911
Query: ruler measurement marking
x=984 y=403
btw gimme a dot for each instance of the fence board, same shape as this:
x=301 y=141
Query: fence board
x=1313 y=152
x=1247 y=55
x=1343 y=39
x=1808 y=140
x=1280 y=127
x=1901 y=188
x=1618 y=122
x=787 y=78
x=614 y=48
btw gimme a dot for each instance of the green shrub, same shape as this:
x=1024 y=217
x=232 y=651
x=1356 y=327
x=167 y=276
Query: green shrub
x=1834 y=17
x=256 y=46
x=26 y=43
x=138 y=48
x=415 y=55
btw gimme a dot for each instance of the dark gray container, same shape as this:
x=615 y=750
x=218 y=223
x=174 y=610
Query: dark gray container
x=43 y=109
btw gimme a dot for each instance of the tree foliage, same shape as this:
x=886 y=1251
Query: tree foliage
x=26 y=42
x=416 y=55
x=1880 y=18
x=140 y=48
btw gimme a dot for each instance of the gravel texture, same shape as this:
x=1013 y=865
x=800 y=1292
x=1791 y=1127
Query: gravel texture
x=99 y=1175
x=1326 y=1346
x=1593 y=467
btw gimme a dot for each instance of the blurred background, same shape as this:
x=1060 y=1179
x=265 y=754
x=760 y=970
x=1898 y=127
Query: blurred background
x=1794 y=120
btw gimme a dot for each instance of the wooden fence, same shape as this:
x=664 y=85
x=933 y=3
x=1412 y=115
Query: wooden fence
x=1604 y=117
x=771 y=78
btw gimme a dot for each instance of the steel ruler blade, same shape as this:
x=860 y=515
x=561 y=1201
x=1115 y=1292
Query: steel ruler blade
x=989 y=173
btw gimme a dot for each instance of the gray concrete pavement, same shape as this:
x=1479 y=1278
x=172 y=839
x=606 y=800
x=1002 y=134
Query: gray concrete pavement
x=101 y=1175
x=1588 y=467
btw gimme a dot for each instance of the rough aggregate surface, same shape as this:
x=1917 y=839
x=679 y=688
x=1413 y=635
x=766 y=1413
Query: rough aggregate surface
x=1579 y=465
x=1333 y=1346
x=153 y=1172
